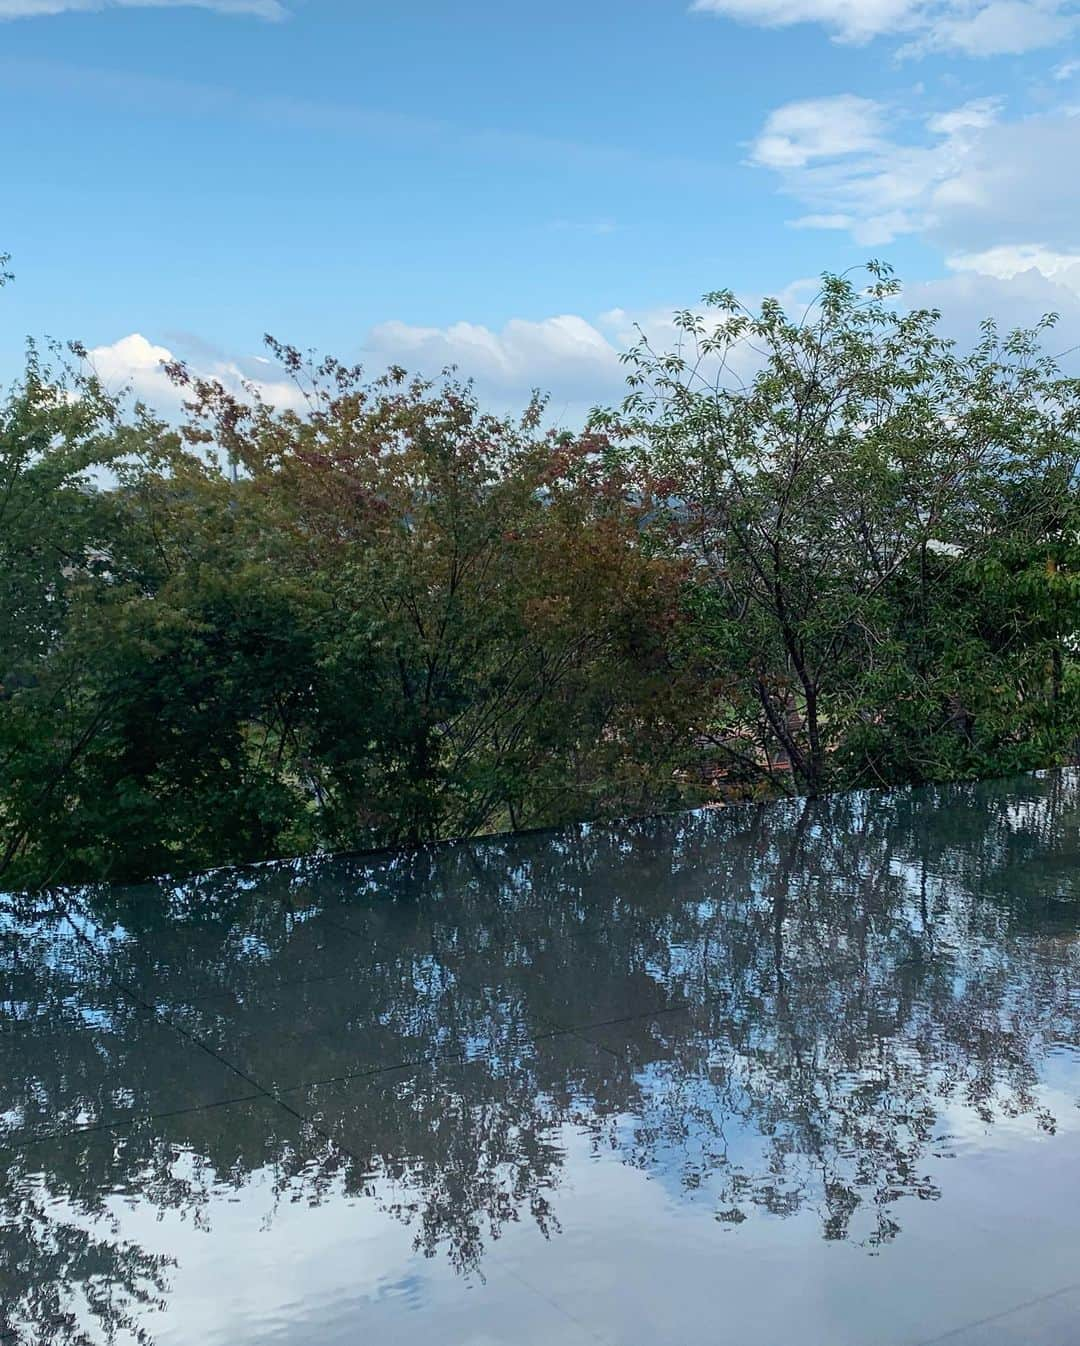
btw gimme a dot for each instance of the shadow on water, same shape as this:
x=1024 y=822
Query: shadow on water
x=777 y=1009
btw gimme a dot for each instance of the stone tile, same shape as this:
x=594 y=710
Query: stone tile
x=397 y=1013
x=114 y=1063
x=46 y=971
x=496 y=1111
x=181 y=963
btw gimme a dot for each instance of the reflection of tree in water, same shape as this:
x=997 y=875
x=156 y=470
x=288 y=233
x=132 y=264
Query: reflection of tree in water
x=53 y=1266
x=828 y=979
x=67 y=1274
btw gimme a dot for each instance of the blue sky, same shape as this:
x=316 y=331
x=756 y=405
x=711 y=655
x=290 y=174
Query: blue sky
x=512 y=186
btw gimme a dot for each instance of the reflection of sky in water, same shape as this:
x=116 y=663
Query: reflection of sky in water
x=646 y=1261
x=805 y=1075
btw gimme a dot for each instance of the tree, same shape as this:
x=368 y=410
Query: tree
x=395 y=618
x=490 y=627
x=385 y=615
x=884 y=535
x=56 y=432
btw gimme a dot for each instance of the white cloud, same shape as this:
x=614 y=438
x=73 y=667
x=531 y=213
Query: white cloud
x=135 y=363
x=834 y=155
x=35 y=9
x=1004 y=27
x=573 y=358
x=973 y=116
x=990 y=191
x=848 y=20
x=967 y=297
x=972 y=27
x=1017 y=184
x=822 y=222
x=576 y=359
x=566 y=351
x=132 y=361
x=819 y=128
x=1010 y=260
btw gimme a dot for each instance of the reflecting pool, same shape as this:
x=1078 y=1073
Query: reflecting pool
x=804 y=1074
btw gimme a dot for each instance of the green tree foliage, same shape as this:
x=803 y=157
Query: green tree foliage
x=884 y=536
x=388 y=616
x=56 y=428
x=395 y=619
x=486 y=627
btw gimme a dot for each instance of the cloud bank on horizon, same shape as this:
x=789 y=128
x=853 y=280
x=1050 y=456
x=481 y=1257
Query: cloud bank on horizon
x=574 y=360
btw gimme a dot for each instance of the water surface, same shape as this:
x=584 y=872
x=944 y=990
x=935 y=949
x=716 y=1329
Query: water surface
x=798 y=1075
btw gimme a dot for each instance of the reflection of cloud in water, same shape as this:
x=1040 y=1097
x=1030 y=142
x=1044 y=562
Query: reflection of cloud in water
x=263 y=1268
x=605 y=1076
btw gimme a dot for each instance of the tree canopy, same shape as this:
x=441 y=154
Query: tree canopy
x=394 y=617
